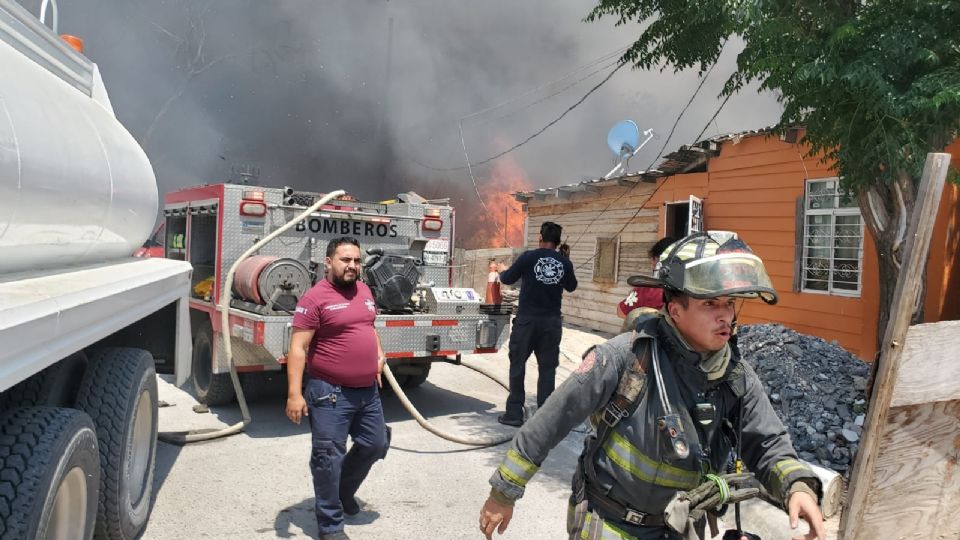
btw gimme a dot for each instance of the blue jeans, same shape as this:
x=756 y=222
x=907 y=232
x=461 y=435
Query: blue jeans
x=336 y=412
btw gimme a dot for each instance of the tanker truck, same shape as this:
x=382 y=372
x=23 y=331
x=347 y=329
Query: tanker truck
x=84 y=326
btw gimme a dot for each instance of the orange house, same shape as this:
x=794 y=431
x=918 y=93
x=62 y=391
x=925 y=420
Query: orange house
x=786 y=206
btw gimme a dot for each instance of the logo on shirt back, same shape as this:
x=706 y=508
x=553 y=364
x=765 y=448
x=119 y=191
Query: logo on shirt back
x=302 y=310
x=548 y=270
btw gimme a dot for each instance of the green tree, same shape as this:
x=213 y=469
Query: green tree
x=876 y=83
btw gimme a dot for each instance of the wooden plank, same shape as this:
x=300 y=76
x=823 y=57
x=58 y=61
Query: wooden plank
x=778 y=209
x=745 y=224
x=865 y=469
x=752 y=195
x=929 y=370
x=916 y=492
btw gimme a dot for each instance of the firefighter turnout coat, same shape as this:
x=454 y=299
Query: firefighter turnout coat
x=634 y=465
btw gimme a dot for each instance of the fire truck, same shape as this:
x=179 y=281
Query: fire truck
x=407 y=241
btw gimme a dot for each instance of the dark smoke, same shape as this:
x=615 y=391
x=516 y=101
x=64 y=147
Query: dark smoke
x=361 y=93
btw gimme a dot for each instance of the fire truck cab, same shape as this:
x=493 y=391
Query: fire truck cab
x=407 y=244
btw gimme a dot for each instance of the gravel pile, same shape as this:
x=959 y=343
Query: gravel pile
x=816 y=387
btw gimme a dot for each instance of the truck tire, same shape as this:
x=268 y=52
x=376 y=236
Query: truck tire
x=54 y=386
x=49 y=474
x=414 y=380
x=211 y=388
x=119 y=392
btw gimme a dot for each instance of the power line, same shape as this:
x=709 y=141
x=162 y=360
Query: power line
x=714 y=117
x=473 y=179
x=656 y=189
x=589 y=64
x=533 y=136
x=548 y=96
x=703 y=80
x=567 y=75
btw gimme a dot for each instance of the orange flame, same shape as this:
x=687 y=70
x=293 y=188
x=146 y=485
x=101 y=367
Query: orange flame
x=501 y=224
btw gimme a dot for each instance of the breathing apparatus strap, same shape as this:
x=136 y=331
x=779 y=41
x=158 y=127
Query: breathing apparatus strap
x=624 y=403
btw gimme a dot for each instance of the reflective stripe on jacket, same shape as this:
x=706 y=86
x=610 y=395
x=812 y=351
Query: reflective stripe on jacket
x=632 y=466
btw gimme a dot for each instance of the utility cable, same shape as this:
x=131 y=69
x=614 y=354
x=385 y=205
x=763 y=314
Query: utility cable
x=703 y=80
x=649 y=197
x=470 y=165
x=476 y=189
x=534 y=135
x=587 y=65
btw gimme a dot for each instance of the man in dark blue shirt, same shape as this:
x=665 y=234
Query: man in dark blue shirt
x=537 y=327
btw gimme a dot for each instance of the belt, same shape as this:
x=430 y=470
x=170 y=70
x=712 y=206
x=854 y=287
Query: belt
x=609 y=508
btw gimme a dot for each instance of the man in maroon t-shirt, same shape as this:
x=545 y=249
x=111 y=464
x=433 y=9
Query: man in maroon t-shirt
x=333 y=337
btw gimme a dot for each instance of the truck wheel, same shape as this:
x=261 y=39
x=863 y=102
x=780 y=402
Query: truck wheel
x=414 y=380
x=54 y=386
x=49 y=474
x=119 y=391
x=211 y=388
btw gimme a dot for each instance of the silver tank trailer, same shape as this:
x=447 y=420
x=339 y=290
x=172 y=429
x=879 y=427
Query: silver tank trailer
x=75 y=187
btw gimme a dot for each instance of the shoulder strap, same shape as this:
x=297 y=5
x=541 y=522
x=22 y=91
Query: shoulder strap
x=623 y=403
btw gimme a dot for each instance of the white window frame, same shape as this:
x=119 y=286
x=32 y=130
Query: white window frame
x=835 y=211
x=616 y=259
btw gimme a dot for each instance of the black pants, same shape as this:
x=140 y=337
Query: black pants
x=540 y=336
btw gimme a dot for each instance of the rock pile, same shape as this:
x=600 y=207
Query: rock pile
x=816 y=387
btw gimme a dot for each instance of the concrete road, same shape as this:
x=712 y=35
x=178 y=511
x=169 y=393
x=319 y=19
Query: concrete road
x=257 y=484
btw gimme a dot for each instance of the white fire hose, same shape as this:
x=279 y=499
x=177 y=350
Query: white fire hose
x=186 y=437
x=224 y=307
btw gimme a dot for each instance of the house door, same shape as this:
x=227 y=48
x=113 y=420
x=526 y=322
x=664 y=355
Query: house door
x=677 y=217
x=683 y=218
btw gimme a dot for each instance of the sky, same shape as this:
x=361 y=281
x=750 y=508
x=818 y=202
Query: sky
x=370 y=95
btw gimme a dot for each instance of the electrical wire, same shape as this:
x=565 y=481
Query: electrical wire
x=534 y=135
x=587 y=65
x=703 y=80
x=476 y=189
x=470 y=165
x=548 y=96
x=641 y=206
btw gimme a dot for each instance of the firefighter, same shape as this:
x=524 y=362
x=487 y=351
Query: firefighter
x=670 y=404
x=538 y=326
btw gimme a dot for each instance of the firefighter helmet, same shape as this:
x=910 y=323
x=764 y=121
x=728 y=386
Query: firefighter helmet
x=708 y=265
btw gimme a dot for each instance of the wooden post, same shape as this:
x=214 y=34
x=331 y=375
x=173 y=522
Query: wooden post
x=852 y=525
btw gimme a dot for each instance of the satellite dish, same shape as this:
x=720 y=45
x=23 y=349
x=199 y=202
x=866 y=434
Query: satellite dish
x=623 y=138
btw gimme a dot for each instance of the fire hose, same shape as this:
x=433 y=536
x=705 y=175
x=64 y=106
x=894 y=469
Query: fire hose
x=186 y=437
x=480 y=442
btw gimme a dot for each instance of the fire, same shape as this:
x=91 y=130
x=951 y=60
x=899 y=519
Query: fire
x=501 y=224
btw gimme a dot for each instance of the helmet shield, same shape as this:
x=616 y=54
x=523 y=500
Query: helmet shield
x=701 y=267
x=728 y=274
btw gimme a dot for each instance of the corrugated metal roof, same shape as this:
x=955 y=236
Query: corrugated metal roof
x=686 y=159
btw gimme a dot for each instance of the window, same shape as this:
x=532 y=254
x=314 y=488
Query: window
x=605 y=260
x=832 y=240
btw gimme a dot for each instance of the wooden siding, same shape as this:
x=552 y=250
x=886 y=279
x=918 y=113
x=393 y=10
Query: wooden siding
x=594 y=305
x=752 y=188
